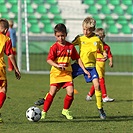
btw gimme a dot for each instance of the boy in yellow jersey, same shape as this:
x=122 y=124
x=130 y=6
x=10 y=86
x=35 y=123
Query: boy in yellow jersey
x=60 y=55
x=5 y=47
x=89 y=44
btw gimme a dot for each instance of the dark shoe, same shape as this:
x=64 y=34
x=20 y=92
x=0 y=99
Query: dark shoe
x=102 y=113
x=39 y=102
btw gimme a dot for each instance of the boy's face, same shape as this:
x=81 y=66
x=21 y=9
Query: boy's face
x=60 y=37
x=101 y=35
x=87 y=31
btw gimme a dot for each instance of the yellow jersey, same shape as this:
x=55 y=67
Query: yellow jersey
x=88 y=47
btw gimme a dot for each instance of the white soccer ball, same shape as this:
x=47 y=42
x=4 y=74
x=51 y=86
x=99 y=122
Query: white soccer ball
x=33 y=114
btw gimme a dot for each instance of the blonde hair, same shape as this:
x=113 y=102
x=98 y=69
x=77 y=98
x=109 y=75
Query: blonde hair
x=89 y=22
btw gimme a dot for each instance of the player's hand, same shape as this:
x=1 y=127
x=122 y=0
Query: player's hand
x=17 y=74
x=110 y=64
x=61 y=67
x=86 y=72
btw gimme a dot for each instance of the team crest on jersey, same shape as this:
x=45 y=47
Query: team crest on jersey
x=95 y=43
x=82 y=42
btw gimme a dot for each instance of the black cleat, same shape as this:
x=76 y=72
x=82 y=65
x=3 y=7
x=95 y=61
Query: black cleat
x=39 y=102
x=102 y=113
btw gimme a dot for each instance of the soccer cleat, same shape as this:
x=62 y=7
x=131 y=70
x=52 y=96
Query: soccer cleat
x=107 y=99
x=88 y=98
x=1 y=120
x=65 y=112
x=102 y=113
x=39 y=102
x=43 y=115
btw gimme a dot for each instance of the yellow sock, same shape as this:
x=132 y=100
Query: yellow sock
x=98 y=95
x=45 y=96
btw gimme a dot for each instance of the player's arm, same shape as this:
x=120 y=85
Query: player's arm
x=8 y=51
x=52 y=63
x=82 y=66
x=76 y=40
x=110 y=56
x=75 y=56
x=52 y=56
x=111 y=61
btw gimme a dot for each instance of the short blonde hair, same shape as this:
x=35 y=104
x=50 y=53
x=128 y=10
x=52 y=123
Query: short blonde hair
x=89 y=22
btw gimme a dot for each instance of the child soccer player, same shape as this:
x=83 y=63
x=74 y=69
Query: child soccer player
x=5 y=47
x=100 y=67
x=59 y=58
x=12 y=34
x=89 y=43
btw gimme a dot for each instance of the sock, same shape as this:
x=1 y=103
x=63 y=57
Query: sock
x=48 y=102
x=98 y=99
x=2 y=98
x=92 y=91
x=68 y=101
x=103 y=87
x=45 y=96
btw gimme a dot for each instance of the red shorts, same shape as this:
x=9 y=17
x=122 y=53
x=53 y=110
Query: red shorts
x=63 y=85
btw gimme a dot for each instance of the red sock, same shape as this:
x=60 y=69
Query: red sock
x=92 y=91
x=68 y=101
x=48 y=102
x=2 y=98
x=103 y=87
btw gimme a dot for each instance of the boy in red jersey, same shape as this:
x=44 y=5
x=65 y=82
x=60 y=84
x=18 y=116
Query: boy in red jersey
x=100 y=67
x=60 y=55
x=5 y=47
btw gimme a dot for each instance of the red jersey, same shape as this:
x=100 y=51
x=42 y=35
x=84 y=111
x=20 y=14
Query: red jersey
x=5 y=47
x=62 y=55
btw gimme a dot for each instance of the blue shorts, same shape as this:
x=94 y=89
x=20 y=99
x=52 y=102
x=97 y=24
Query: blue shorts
x=77 y=70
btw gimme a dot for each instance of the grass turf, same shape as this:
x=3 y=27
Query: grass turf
x=22 y=94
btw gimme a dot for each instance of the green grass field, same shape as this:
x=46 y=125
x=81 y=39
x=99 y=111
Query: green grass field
x=22 y=94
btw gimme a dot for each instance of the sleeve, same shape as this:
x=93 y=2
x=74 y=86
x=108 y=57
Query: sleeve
x=8 y=48
x=109 y=54
x=75 y=55
x=76 y=40
x=52 y=53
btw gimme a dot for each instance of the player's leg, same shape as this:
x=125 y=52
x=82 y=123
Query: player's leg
x=3 y=89
x=104 y=91
x=48 y=101
x=99 y=98
x=68 y=100
x=90 y=93
x=100 y=67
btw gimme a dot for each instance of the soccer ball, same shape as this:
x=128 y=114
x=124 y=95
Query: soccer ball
x=33 y=114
